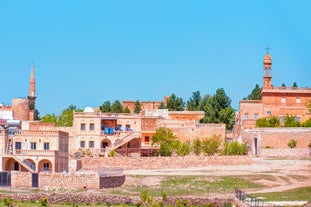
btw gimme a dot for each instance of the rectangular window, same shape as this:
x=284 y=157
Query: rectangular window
x=297 y=118
x=46 y=166
x=119 y=127
x=82 y=127
x=269 y=112
x=82 y=144
x=283 y=100
x=298 y=100
x=33 y=145
x=18 y=145
x=92 y=127
x=245 y=117
x=128 y=127
x=91 y=144
x=46 y=146
x=255 y=116
x=147 y=139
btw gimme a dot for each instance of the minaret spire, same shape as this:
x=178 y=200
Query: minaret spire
x=32 y=84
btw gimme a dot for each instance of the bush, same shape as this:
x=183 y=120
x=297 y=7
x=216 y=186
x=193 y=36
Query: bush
x=112 y=153
x=210 y=146
x=44 y=202
x=197 y=146
x=292 y=143
x=183 y=149
x=272 y=121
x=234 y=148
x=309 y=144
x=307 y=123
x=290 y=121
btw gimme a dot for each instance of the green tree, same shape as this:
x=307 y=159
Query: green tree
x=182 y=148
x=197 y=146
x=193 y=103
x=167 y=141
x=162 y=106
x=117 y=107
x=283 y=85
x=295 y=85
x=106 y=107
x=49 y=118
x=137 y=108
x=210 y=145
x=218 y=109
x=126 y=110
x=306 y=123
x=66 y=117
x=255 y=94
x=308 y=105
x=37 y=114
x=174 y=103
x=290 y=121
x=271 y=121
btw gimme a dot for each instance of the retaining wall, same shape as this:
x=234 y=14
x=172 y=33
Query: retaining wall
x=285 y=152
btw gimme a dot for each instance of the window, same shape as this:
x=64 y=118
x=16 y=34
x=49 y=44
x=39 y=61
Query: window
x=269 y=112
x=82 y=127
x=46 y=166
x=46 y=145
x=33 y=145
x=283 y=100
x=119 y=127
x=128 y=127
x=298 y=100
x=82 y=144
x=297 y=118
x=91 y=144
x=255 y=116
x=92 y=127
x=282 y=119
x=18 y=145
x=147 y=139
x=245 y=117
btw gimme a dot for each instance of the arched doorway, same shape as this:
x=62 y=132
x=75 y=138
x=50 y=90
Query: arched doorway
x=105 y=143
x=45 y=166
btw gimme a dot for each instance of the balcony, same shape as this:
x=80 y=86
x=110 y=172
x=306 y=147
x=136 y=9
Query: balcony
x=35 y=152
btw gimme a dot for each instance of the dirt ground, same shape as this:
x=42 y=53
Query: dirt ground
x=288 y=174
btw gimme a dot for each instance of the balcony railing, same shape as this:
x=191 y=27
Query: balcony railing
x=35 y=152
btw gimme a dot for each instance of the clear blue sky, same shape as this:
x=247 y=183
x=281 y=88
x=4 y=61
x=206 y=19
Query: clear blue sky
x=86 y=52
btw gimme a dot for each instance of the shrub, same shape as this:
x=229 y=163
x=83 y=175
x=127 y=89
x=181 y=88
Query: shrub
x=306 y=123
x=112 y=153
x=210 y=146
x=292 y=143
x=272 y=121
x=44 y=202
x=7 y=201
x=309 y=144
x=183 y=149
x=234 y=148
x=197 y=146
x=290 y=121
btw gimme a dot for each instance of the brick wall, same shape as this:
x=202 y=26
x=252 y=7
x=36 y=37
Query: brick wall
x=21 y=179
x=132 y=163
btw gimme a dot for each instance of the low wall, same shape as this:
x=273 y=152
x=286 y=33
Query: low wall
x=285 y=152
x=132 y=163
x=21 y=179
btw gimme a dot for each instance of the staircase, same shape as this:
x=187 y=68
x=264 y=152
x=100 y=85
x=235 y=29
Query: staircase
x=9 y=146
x=123 y=140
x=26 y=164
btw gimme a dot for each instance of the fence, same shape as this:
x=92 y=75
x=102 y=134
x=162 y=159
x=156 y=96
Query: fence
x=251 y=201
x=5 y=179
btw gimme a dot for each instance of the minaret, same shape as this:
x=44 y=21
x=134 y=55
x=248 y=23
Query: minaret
x=32 y=85
x=32 y=94
x=267 y=64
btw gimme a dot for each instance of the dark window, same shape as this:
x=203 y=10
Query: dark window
x=18 y=145
x=128 y=127
x=33 y=145
x=46 y=166
x=92 y=127
x=82 y=144
x=269 y=112
x=147 y=139
x=16 y=166
x=82 y=127
x=119 y=127
x=46 y=146
x=91 y=144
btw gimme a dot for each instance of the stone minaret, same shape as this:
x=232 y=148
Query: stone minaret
x=32 y=94
x=267 y=63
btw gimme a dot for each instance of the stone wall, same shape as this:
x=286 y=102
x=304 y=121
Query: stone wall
x=21 y=179
x=296 y=152
x=132 y=163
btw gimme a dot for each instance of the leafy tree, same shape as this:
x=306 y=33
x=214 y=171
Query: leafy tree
x=162 y=106
x=126 y=110
x=210 y=145
x=307 y=123
x=106 y=107
x=218 y=109
x=234 y=148
x=167 y=141
x=255 y=94
x=197 y=146
x=193 y=103
x=117 y=107
x=37 y=114
x=49 y=118
x=183 y=149
x=308 y=104
x=65 y=118
x=295 y=85
x=137 y=108
x=271 y=121
x=174 y=103
x=290 y=121
x=283 y=85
